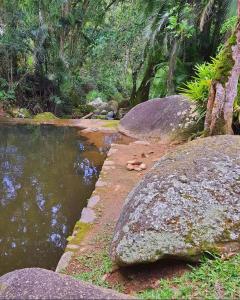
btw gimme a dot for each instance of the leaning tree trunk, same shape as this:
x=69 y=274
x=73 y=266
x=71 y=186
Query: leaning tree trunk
x=142 y=93
x=224 y=91
x=172 y=68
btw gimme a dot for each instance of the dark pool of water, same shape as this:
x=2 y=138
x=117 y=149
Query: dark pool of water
x=46 y=176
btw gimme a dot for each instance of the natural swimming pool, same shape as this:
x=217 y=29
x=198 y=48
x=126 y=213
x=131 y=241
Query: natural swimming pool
x=47 y=174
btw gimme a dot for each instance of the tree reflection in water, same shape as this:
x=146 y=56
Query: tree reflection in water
x=46 y=176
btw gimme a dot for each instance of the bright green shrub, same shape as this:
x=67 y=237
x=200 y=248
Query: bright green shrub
x=95 y=94
x=197 y=90
x=218 y=69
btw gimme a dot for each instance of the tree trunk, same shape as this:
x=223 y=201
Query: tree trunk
x=135 y=74
x=172 y=68
x=142 y=93
x=134 y=87
x=219 y=115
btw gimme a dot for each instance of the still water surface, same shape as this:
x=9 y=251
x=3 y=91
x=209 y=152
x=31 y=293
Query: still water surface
x=46 y=176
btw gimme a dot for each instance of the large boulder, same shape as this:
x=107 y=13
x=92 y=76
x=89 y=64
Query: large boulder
x=158 y=118
x=43 y=284
x=188 y=204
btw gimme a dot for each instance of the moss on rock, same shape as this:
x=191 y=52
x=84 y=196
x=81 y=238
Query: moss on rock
x=80 y=231
x=111 y=124
x=46 y=116
x=224 y=61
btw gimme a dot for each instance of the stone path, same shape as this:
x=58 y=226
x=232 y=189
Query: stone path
x=99 y=218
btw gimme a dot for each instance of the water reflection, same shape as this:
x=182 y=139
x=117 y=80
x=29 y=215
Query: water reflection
x=46 y=176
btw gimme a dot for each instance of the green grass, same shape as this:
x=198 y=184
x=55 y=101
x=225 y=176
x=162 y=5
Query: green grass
x=214 y=279
x=111 y=124
x=98 y=264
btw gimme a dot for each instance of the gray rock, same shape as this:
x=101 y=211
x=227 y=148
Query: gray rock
x=88 y=215
x=106 y=109
x=158 y=118
x=97 y=111
x=42 y=284
x=189 y=203
x=100 y=107
x=110 y=114
x=97 y=103
x=64 y=261
x=93 y=201
x=112 y=106
x=122 y=112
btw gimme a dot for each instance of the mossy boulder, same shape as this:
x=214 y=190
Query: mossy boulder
x=188 y=204
x=46 y=116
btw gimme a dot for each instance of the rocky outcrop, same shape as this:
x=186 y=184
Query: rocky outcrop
x=189 y=203
x=158 y=118
x=98 y=103
x=43 y=284
x=104 y=110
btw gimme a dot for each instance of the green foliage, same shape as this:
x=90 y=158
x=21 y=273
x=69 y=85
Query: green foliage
x=159 y=88
x=217 y=70
x=229 y=25
x=214 y=279
x=224 y=62
x=7 y=96
x=55 y=99
x=86 y=109
x=7 y=93
x=198 y=89
x=95 y=94
x=98 y=265
x=180 y=26
x=82 y=110
x=66 y=53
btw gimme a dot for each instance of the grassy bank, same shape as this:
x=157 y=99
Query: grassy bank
x=213 y=279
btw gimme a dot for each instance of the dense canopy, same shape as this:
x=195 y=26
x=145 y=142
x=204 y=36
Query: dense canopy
x=64 y=53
